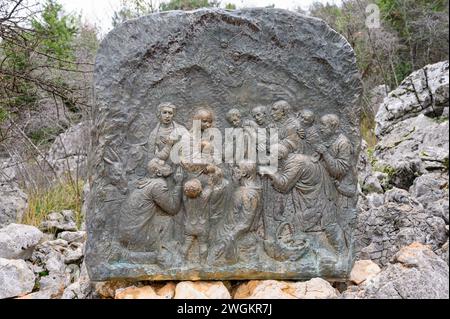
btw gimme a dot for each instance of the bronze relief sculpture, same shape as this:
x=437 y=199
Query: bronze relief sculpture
x=248 y=168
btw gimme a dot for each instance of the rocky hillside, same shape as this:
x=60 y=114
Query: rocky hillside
x=401 y=231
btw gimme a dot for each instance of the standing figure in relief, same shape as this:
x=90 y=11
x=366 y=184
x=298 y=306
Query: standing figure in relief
x=312 y=134
x=166 y=132
x=146 y=215
x=219 y=199
x=243 y=145
x=262 y=121
x=336 y=152
x=289 y=130
x=236 y=235
x=196 y=223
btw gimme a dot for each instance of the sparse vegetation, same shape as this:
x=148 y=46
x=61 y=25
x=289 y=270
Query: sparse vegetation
x=64 y=195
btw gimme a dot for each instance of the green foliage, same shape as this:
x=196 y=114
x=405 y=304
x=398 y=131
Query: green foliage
x=131 y=9
x=403 y=69
x=230 y=6
x=413 y=33
x=446 y=163
x=44 y=136
x=45 y=44
x=187 y=4
x=371 y=156
x=3 y=114
x=398 y=12
x=57 y=31
x=422 y=26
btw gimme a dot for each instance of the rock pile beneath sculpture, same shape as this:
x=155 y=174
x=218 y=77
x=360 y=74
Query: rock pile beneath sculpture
x=43 y=265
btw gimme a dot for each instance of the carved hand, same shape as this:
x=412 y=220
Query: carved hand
x=179 y=175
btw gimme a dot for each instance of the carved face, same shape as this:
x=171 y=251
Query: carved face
x=260 y=116
x=307 y=118
x=234 y=120
x=277 y=112
x=206 y=119
x=166 y=115
x=326 y=128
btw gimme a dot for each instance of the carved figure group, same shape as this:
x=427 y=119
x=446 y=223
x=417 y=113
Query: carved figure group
x=230 y=210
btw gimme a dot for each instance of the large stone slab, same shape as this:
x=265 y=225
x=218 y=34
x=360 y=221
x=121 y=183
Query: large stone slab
x=151 y=216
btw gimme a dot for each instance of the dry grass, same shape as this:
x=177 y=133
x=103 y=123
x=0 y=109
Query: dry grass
x=368 y=131
x=65 y=195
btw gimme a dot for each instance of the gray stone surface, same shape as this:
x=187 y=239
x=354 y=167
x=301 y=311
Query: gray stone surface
x=73 y=236
x=59 y=221
x=415 y=273
x=8 y=169
x=13 y=203
x=16 y=278
x=392 y=220
x=213 y=64
x=424 y=91
x=431 y=190
x=80 y=289
x=68 y=152
x=414 y=146
x=18 y=241
x=377 y=96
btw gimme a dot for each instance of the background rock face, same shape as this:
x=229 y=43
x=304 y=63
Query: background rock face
x=13 y=203
x=425 y=91
x=217 y=60
x=68 y=153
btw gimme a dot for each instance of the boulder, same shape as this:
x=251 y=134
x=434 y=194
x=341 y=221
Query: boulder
x=377 y=96
x=315 y=288
x=68 y=152
x=415 y=146
x=16 y=278
x=431 y=190
x=201 y=290
x=13 y=203
x=414 y=273
x=372 y=185
x=17 y=241
x=43 y=294
x=424 y=91
x=363 y=270
x=443 y=252
x=146 y=292
x=384 y=225
x=73 y=236
x=107 y=289
x=82 y=288
x=59 y=221
x=8 y=169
